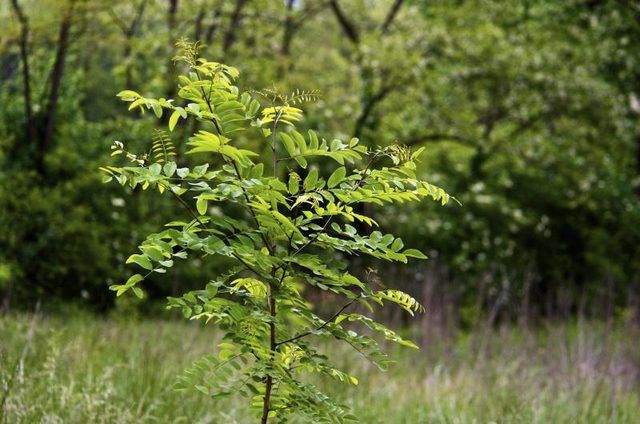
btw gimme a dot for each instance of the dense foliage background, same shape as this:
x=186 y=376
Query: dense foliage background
x=528 y=110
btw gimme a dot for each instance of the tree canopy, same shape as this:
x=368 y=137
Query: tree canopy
x=527 y=112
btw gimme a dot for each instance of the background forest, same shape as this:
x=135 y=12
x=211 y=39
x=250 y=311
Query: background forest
x=529 y=113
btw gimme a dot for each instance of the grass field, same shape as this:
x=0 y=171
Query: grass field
x=86 y=369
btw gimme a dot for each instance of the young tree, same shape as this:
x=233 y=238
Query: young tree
x=295 y=231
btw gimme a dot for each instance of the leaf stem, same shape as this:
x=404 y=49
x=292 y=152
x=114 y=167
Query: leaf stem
x=320 y=327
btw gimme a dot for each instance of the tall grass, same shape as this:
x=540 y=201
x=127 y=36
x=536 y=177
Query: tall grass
x=85 y=369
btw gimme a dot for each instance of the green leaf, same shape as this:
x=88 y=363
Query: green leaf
x=414 y=253
x=155 y=169
x=173 y=120
x=397 y=245
x=128 y=95
x=200 y=170
x=294 y=183
x=153 y=252
x=169 y=168
x=311 y=180
x=301 y=161
x=157 y=110
x=288 y=143
x=337 y=177
x=133 y=280
x=141 y=260
x=202 y=205
x=182 y=112
x=299 y=139
x=138 y=292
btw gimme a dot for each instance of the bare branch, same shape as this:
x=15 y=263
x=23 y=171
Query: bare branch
x=26 y=73
x=347 y=26
x=56 y=76
x=391 y=15
x=231 y=34
x=369 y=107
x=211 y=30
x=320 y=327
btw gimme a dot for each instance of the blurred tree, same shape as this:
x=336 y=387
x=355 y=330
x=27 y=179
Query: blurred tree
x=528 y=111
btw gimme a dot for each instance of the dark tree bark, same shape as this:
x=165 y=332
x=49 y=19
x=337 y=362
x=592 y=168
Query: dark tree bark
x=292 y=23
x=197 y=31
x=171 y=18
x=391 y=15
x=234 y=24
x=368 y=108
x=57 y=74
x=211 y=30
x=129 y=31
x=30 y=128
x=289 y=28
x=172 y=12
x=347 y=26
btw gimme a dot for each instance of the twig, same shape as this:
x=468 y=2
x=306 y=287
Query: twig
x=320 y=327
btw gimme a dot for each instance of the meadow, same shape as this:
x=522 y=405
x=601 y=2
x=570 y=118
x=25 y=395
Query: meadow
x=277 y=166
x=86 y=369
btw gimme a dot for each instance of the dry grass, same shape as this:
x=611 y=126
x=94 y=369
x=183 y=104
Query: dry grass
x=85 y=369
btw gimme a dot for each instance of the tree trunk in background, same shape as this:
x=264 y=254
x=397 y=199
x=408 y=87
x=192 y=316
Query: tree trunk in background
x=234 y=24
x=347 y=27
x=131 y=32
x=284 y=64
x=171 y=27
x=391 y=15
x=171 y=20
x=30 y=127
x=287 y=33
x=197 y=27
x=211 y=30
x=438 y=322
x=57 y=74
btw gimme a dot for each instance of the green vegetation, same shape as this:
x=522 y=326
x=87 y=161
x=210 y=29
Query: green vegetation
x=78 y=369
x=285 y=242
x=527 y=111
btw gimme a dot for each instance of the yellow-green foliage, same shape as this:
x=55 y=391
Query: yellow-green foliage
x=291 y=230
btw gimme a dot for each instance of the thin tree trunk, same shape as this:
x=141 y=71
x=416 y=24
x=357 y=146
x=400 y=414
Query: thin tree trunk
x=57 y=74
x=30 y=128
x=287 y=34
x=171 y=19
x=171 y=26
x=637 y=188
x=347 y=26
x=231 y=34
x=284 y=64
x=130 y=33
x=266 y=405
x=197 y=31
x=391 y=15
x=214 y=25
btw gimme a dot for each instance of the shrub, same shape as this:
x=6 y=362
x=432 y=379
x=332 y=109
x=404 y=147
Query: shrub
x=294 y=230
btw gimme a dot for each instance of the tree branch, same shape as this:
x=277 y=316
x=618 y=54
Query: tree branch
x=391 y=16
x=369 y=107
x=234 y=24
x=57 y=72
x=347 y=26
x=214 y=24
x=30 y=129
x=320 y=327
